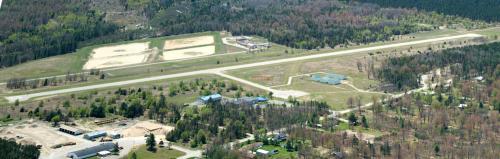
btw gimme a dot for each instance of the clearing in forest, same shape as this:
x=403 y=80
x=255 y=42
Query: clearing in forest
x=145 y=127
x=118 y=55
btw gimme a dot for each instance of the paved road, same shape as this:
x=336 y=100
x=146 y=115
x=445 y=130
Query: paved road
x=222 y=69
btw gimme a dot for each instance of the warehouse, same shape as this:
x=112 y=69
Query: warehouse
x=91 y=151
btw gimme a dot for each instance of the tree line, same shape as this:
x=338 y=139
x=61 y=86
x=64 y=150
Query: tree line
x=13 y=150
x=475 y=9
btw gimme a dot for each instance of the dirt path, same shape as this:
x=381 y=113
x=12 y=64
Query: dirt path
x=222 y=69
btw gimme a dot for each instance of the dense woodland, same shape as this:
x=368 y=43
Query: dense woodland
x=13 y=150
x=55 y=27
x=465 y=63
x=474 y=9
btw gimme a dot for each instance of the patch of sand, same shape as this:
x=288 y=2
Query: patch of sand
x=189 y=53
x=119 y=55
x=146 y=127
x=188 y=42
x=39 y=134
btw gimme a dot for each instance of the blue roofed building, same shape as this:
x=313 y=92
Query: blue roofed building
x=213 y=97
x=94 y=135
x=332 y=78
x=261 y=99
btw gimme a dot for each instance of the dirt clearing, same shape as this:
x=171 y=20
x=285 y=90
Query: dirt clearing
x=189 y=53
x=188 y=42
x=37 y=133
x=146 y=127
x=119 y=55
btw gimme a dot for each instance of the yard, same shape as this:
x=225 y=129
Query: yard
x=282 y=153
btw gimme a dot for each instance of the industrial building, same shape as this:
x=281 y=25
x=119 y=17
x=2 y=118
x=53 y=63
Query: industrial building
x=94 y=135
x=245 y=41
x=213 y=97
x=332 y=78
x=92 y=151
x=70 y=130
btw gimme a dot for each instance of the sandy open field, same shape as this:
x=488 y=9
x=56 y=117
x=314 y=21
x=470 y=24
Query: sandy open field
x=146 y=127
x=119 y=55
x=188 y=42
x=189 y=53
x=37 y=133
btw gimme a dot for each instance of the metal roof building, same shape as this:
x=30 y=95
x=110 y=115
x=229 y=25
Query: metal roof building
x=213 y=97
x=70 y=130
x=332 y=78
x=93 y=135
x=91 y=151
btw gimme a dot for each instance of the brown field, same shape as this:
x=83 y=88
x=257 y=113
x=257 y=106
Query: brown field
x=188 y=42
x=118 y=55
x=188 y=53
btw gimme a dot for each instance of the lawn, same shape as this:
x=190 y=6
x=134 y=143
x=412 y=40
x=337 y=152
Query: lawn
x=161 y=153
x=282 y=153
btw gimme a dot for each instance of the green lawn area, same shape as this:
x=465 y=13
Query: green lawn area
x=282 y=153
x=161 y=153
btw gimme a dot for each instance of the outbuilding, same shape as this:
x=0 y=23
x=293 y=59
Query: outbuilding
x=94 y=135
x=213 y=97
x=70 y=130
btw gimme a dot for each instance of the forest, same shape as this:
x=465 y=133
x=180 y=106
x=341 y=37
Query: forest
x=475 y=9
x=36 y=29
x=465 y=63
x=55 y=27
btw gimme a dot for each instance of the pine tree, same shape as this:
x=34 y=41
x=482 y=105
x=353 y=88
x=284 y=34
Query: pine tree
x=151 y=143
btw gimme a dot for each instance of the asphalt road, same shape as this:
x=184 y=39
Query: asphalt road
x=222 y=69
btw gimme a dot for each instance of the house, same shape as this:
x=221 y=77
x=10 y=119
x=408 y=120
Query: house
x=91 y=151
x=94 y=135
x=261 y=99
x=279 y=137
x=479 y=78
x=266 y=152
x=213 y=97
x=70 y=130
x=462 y=106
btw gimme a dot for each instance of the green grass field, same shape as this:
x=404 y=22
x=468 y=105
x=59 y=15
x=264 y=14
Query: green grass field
x=161 y=153
x=282 y=153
